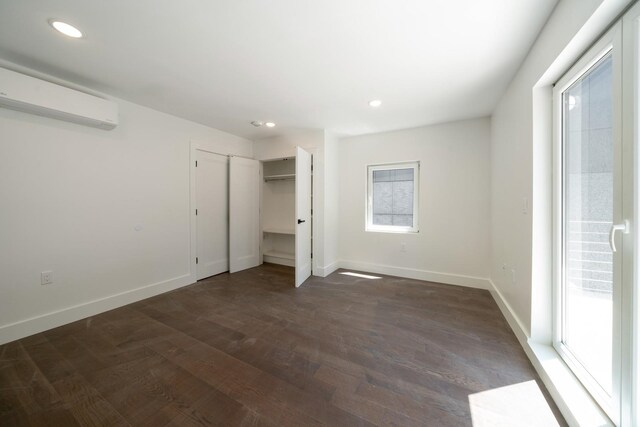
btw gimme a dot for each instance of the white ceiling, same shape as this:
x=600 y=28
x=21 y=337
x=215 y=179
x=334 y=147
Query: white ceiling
x=299 y=63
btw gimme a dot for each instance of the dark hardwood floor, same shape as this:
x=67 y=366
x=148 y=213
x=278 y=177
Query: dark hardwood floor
x=249 y=349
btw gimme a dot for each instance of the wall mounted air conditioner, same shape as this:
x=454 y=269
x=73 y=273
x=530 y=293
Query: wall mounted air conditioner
x=35 y=96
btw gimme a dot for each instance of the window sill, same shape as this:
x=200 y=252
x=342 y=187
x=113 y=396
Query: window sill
x=573 y=400
x=383 y=230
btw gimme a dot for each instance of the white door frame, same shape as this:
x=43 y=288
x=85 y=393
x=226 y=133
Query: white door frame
x=630 y=387
x=610 y=43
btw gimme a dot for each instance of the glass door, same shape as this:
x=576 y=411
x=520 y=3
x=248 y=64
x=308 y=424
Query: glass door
x=588 y=220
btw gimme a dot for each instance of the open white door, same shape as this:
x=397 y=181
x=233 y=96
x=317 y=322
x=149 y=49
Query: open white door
x=303 y=215
x=244 y=214
x=212 y=204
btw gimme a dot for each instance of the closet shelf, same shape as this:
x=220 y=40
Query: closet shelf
x=277 y=254
x=280 y=177
x=275 y=230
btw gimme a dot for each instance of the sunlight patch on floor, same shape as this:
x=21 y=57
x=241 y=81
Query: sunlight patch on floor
x=360 y=275
x=511 y=406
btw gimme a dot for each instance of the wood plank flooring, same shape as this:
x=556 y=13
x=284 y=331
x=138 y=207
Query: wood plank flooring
x=248 y=349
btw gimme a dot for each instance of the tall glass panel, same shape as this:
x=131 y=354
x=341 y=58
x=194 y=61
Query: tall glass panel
x=588 y=214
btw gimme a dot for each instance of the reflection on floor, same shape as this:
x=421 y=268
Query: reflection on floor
x=514 y=405
x=360 y=275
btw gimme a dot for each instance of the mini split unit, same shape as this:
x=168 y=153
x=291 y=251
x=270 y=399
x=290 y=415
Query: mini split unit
x=28 y=94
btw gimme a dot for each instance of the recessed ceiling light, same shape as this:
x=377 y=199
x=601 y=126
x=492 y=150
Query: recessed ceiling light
x=270 y=124
x=375 y=103
x=256 y=123
x=66 y=29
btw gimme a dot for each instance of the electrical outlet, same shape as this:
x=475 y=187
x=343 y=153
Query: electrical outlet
x=46 y=277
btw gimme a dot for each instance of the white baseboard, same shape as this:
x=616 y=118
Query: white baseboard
x=573 y=400
x=521 y=331
x=326 y=270
x=34 y=325
x=279 y=260
x=413 y=273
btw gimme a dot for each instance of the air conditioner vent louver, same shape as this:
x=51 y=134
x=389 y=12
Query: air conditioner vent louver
x=35 y=96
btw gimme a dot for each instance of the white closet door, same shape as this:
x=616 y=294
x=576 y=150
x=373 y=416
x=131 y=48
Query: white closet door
x=303 y=215
x=212 y=204
x=244 y=214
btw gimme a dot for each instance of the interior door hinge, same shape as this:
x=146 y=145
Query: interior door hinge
x=196 y=260
x=196 y=211
x=196 y=163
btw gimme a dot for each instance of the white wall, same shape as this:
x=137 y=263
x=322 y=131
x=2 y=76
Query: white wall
x=107 y=211
x=331 y=202
x=453 y=243
x=285 y=145
x=521 y=162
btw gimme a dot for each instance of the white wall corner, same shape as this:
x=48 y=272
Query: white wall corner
x=326 y=270
x=517 y=325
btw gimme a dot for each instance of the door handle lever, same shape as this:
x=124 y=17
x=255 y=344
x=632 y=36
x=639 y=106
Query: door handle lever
x=624 y=227
x=300 y=221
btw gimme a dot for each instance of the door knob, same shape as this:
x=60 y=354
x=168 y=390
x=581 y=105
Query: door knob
x=624 y=227
x=300 y=221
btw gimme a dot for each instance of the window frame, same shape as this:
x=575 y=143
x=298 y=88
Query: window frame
x=369 y=225
x=630 y=334
x=609 y=44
